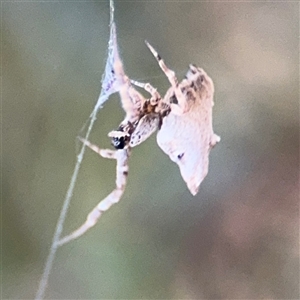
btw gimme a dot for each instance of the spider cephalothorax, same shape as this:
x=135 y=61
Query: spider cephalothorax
x=151 y=113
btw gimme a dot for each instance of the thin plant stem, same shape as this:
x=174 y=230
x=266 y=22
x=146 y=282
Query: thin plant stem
x=106 y=91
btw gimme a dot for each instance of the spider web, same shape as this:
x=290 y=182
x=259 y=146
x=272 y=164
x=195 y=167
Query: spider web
x=109 y=87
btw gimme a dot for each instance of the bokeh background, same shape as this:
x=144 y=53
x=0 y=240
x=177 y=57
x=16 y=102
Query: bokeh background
x=238 y=238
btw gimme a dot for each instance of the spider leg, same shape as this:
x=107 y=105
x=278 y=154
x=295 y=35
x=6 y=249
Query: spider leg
x=182 y=106
x=121 y=156
x=155 y=96
x=169 y=73
x=131 y=100
x=147 y=87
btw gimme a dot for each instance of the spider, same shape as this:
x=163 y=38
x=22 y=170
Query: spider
x=183 y=118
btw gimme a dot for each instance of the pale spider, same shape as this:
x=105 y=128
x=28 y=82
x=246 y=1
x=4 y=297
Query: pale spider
x=183 y=118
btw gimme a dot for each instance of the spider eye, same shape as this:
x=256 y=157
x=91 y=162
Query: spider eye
x=202 y=78
x=180 y=156
x=118 y=142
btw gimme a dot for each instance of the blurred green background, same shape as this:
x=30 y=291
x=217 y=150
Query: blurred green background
x=238 y=238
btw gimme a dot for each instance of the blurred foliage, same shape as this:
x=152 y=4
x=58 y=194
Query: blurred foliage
x=238 y=238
